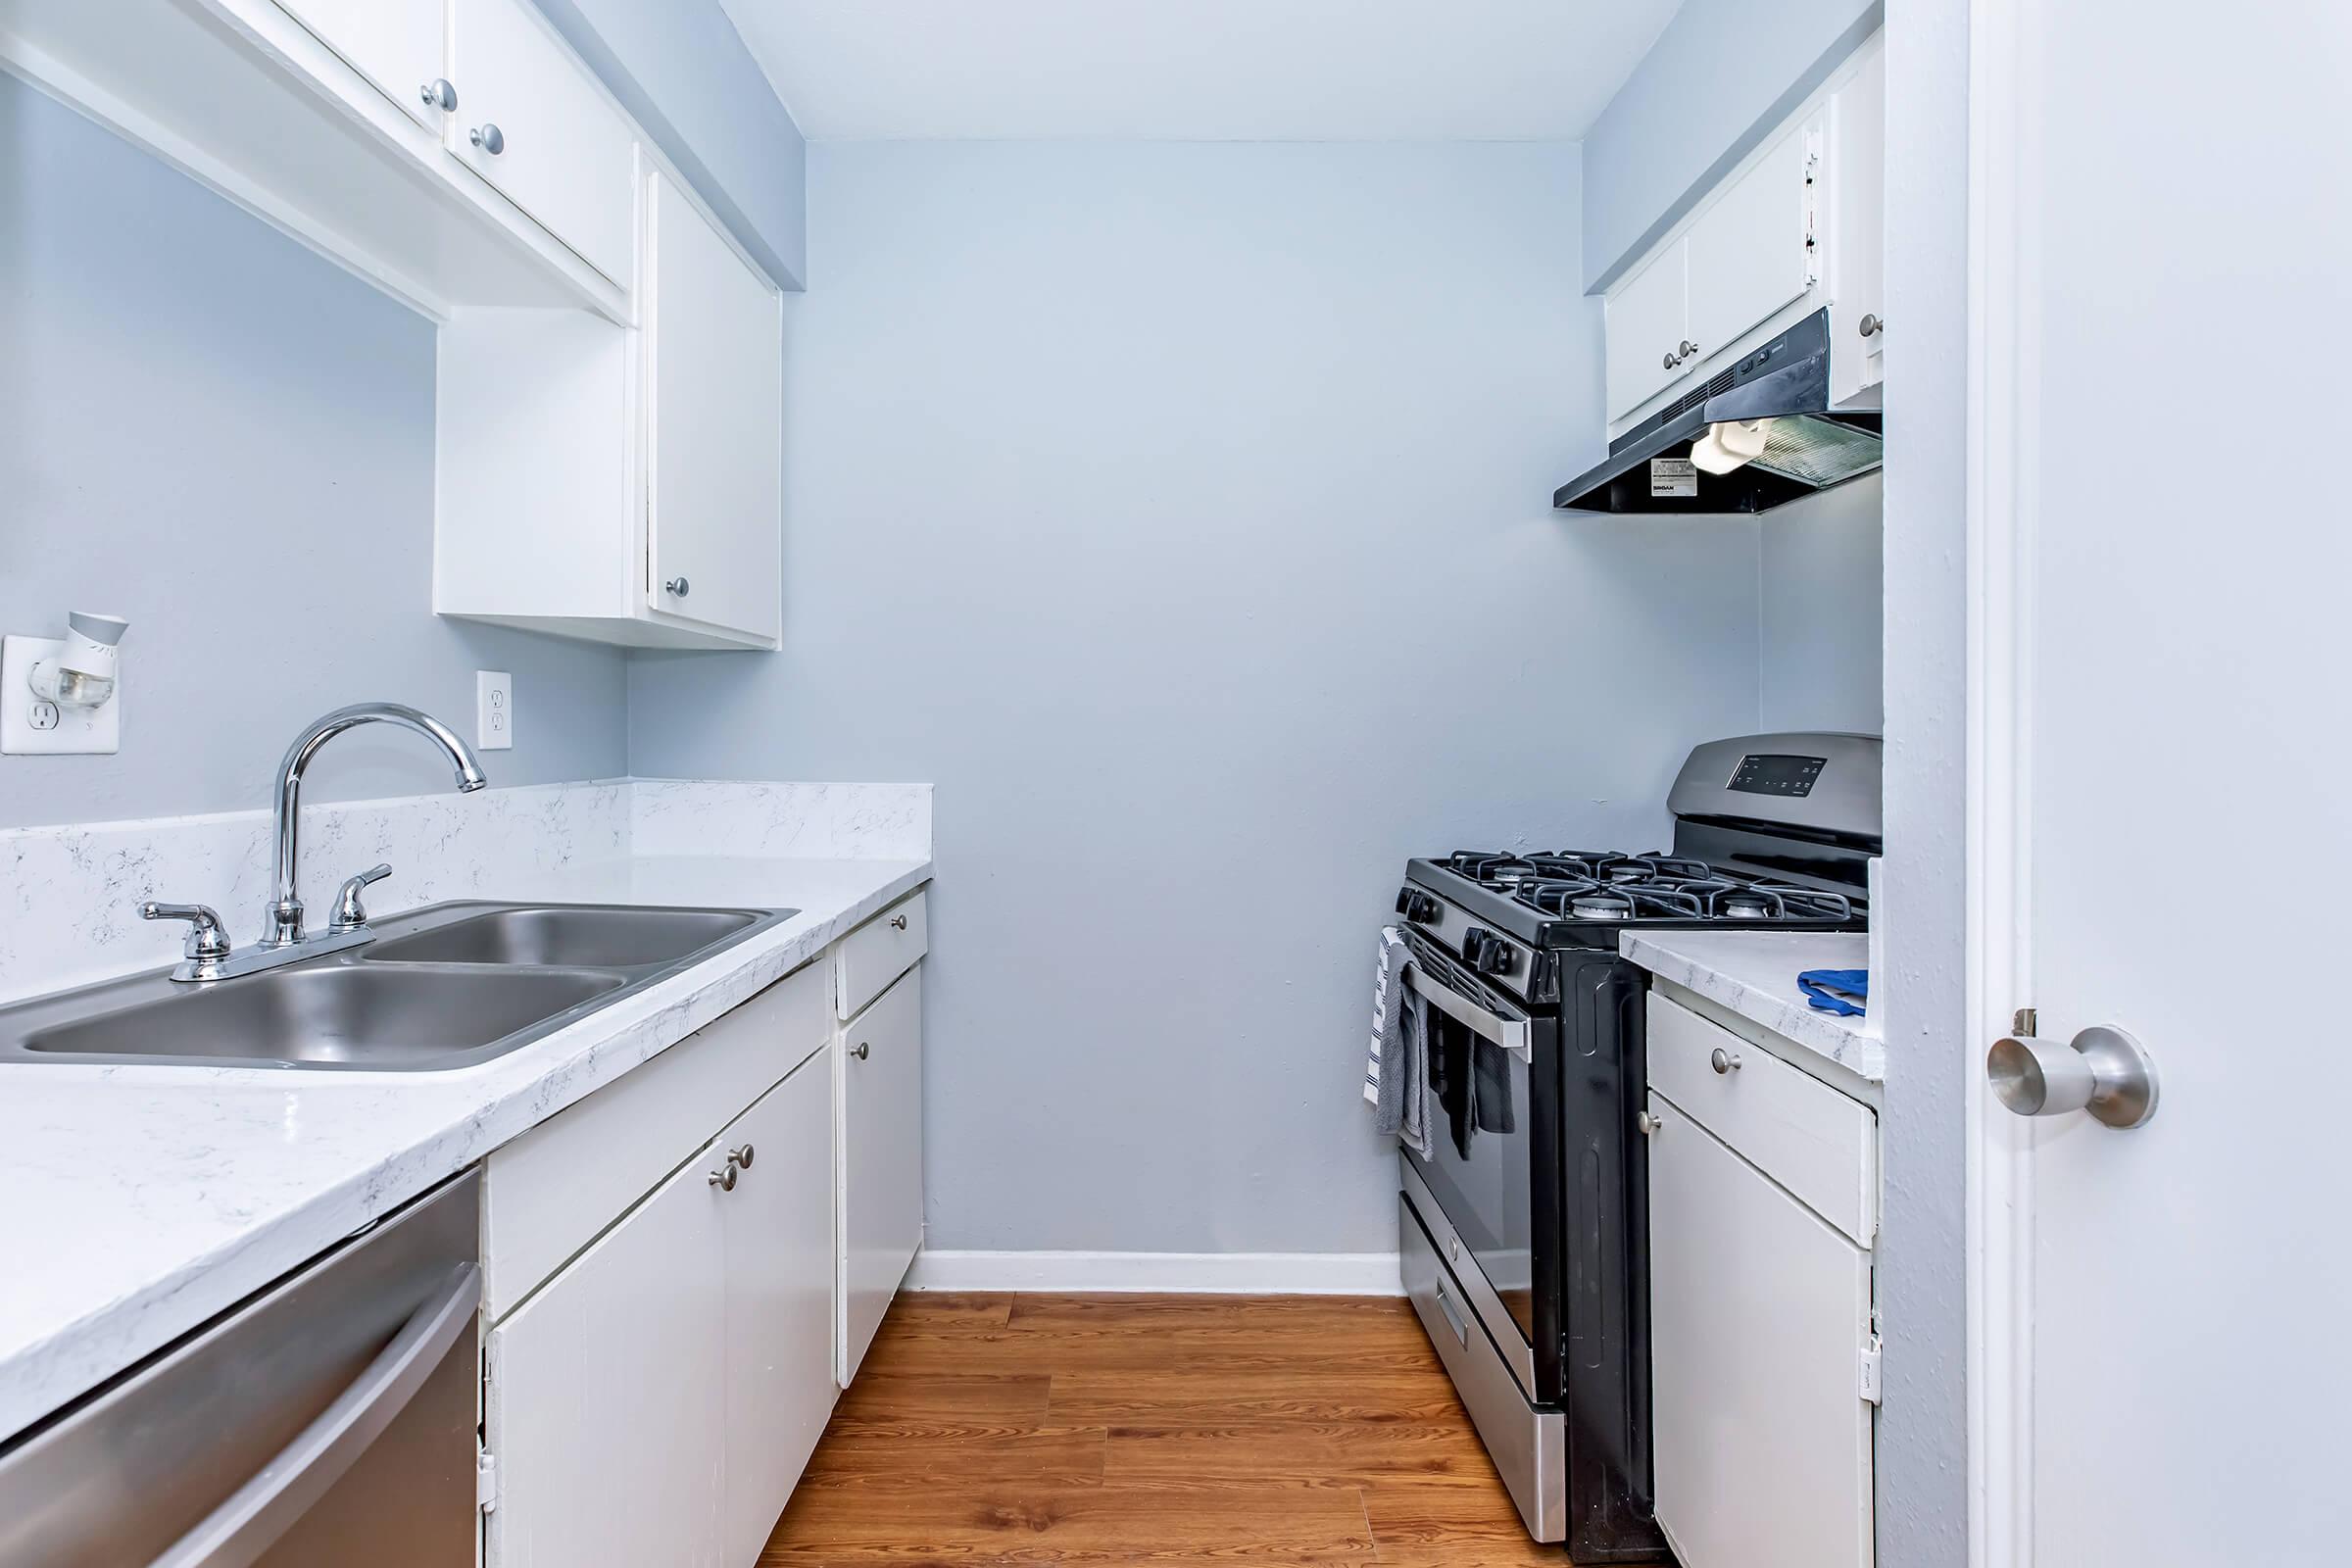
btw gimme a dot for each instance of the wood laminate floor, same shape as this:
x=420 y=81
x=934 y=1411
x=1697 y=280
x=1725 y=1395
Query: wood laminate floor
x=1115 y=1429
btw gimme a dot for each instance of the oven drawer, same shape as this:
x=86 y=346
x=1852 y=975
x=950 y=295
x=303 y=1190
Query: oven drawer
x=1820 y=1145
x=1528 y=1445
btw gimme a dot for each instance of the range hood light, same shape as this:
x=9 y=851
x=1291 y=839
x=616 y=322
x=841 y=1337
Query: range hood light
x=1733 y=443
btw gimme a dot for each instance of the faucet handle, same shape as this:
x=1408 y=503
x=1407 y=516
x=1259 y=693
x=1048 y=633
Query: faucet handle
x=350 y=915
x=206 y=941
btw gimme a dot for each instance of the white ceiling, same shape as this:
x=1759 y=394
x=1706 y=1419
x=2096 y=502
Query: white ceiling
x=1198 y=70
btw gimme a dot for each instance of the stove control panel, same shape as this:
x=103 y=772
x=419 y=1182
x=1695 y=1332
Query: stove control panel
x=1768 y=773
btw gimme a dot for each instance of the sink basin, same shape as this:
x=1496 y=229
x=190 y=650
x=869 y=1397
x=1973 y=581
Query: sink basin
x=447 y=986
x=566 y=936
x=332 y=1016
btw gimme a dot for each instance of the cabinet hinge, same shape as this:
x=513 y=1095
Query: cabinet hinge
x=485 y=1479
x=1868 y=1377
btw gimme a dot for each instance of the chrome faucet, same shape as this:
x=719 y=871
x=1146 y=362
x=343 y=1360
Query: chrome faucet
x=283 y=937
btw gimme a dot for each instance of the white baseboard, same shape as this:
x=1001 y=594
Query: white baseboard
x=1175 y=1273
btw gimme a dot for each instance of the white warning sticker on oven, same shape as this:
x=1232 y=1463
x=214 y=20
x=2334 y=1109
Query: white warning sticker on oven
x=1673 y=476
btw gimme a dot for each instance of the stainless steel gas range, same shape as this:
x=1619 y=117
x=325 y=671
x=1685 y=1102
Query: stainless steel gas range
x=1524 y=1236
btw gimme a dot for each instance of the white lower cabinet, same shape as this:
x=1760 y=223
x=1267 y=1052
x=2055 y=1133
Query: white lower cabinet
x=1763 y=1364
x=881 y=1186
x=657 y=1398
x=605 y=1393
x=778 y=1235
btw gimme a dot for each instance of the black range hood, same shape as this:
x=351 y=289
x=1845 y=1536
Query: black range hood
x=1808 y=448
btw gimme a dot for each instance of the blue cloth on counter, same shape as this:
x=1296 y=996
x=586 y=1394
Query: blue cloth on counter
x=1844 y=992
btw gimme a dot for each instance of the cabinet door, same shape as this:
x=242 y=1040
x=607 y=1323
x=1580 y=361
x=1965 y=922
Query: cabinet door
x=1645 y=329
x=566 y=156
x=1748 y=256
x=607 y=1394
x=396 y=44
x=714 y=503
x=1759 y=1312
x=779 y=1224
x=881 y=1160
x=1858 y=186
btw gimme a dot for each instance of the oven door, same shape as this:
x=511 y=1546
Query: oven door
x=1478 y=1183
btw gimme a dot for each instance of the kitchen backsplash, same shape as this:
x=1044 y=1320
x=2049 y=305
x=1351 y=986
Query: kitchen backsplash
x=70 y=895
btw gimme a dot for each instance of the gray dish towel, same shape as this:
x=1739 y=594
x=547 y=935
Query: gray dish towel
x=1396 y=1077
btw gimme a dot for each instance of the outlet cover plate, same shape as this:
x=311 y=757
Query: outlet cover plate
x=493 y=710
x=30 y=727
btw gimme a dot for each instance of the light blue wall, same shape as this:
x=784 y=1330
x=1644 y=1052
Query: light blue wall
x=208 y=429
x=1922 y=1269
x=681 y=69
x=1820 y=597
x=1723 y=73
x=1184 y=513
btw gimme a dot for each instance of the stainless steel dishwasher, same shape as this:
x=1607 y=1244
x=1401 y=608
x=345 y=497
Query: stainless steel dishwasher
x=329 y=1419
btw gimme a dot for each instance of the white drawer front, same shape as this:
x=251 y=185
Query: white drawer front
x=552 y=1190
x=1816 y=1142
x=878 y=953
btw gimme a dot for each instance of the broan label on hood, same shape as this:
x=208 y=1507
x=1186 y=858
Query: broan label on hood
x=1673 y=476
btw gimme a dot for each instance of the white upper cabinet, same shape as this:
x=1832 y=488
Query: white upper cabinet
x=532 y=122
x=714 y=423
x=1646 y=317
x=1858 y=323
x=1751 y=251
x=396 y=44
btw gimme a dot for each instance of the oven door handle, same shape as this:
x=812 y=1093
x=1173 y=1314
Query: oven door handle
x=1508 y=1033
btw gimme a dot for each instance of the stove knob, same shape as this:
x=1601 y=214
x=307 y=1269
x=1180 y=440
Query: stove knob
x=1485 y=951
x=1416 y=905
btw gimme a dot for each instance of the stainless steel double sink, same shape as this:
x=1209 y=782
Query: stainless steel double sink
x=450 y=985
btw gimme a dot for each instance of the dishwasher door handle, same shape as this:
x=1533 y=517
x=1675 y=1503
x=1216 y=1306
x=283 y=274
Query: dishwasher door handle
x=265 y=1507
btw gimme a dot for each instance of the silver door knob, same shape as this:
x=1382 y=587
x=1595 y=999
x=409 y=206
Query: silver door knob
x=2101 y=1071
x=1872 y=326
x=439 y=94
x=1723 y=1061
x=675 y=585
x=863 y=1050
x=724 y=1180
x=1649 y=1125
x=489 y=138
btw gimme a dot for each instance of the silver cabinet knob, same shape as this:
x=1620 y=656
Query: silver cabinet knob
x=1724 y=1062
x=439 y=94
x=675 y=585
x=1872 y=326
x=724 y=1180
x=1669 y=364
x=1650 y=1125
x=1689 y=348
x=862 y=1050
x=2101 y=1071
x=897 y=922
x=489 y=138
x=740 y=1157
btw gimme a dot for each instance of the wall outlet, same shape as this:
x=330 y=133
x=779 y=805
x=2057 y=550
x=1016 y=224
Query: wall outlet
x=493 y=710
x=30 y=727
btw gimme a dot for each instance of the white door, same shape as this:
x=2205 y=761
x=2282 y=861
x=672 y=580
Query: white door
x=532 y=122
x=1858 y=185
x=881 y=1159
x=716 y=497
x=1758 y=1307
x=396 y=44
x=779 y=1242
x=608 y=1395
x=1644 y=333
x=1748 y=256
x=2165 y=789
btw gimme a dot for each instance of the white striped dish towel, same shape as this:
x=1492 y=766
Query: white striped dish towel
x=1394 y=1082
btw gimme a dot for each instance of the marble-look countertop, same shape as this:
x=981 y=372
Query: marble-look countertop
x=136 y=1203
x=1754 y=974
